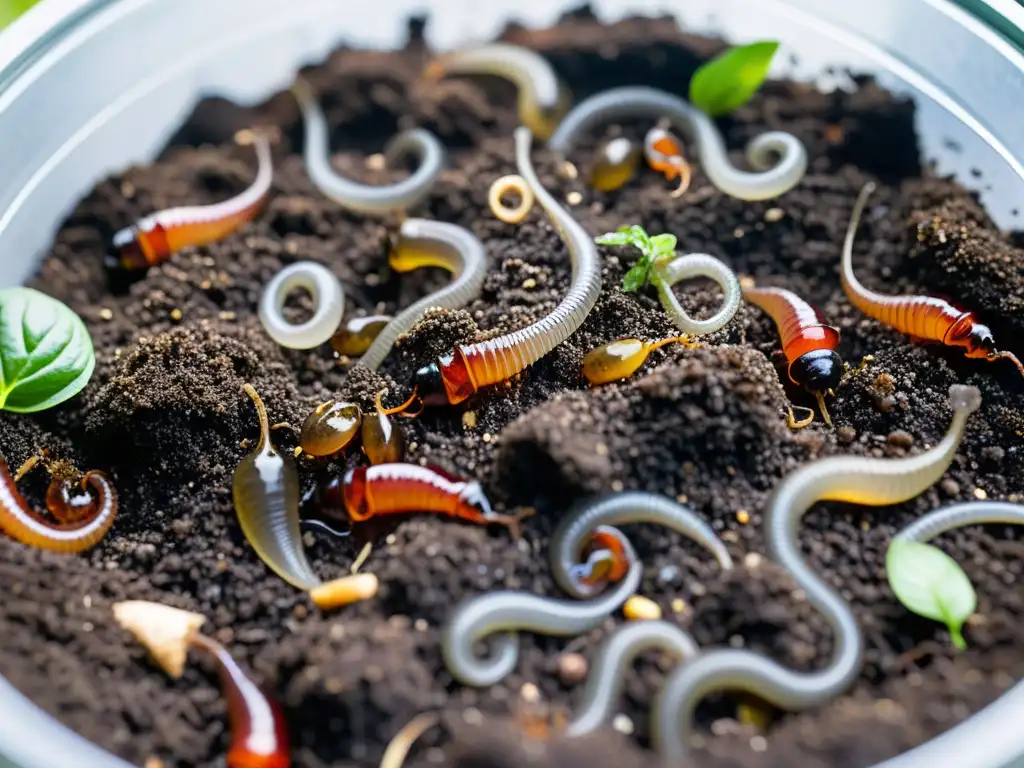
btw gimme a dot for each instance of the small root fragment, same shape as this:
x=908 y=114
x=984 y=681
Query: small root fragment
x=398 y=749
x=791 y=421
x=364 y=555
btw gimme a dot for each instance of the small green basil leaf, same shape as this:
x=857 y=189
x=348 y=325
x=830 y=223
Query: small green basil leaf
x=729 y=80
x=664 y=244
x=614 y=238
x=637 y=277
x=931 y=584
x=46 y=355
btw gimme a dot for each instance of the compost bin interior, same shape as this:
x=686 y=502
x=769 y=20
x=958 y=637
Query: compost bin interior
x=166 y=416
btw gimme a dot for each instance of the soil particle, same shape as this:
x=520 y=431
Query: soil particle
x=165 y=415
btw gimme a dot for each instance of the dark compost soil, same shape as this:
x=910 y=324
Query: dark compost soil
x=165 y=415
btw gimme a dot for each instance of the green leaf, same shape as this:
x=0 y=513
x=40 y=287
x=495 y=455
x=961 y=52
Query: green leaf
x=614 y=238
x=637 y=277
x=729 y=80
x=664 y=244
x=930 y=583
x=46 y=355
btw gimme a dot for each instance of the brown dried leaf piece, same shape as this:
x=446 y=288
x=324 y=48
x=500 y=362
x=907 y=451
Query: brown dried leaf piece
x=163 y=630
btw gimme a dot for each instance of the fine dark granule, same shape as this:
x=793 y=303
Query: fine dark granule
x=165 y=415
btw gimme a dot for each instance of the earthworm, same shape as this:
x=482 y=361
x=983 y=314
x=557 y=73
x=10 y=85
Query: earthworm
x=155 y=238
x=621 y=358
x=961 y=515
x=690 y=265
x=328 y=302
x=808 y=342
x=454 y=377
x=22 y=523
x=507 y=610
x=604 y=683
x=852 y=479
x=423 y=243
x=259 y=734
x=355 y=337
x=265 y=487
x=641 y=102
x=542 y=99
x=577 y=529
x=353 y=195
x=388 y=489
x=923 y=318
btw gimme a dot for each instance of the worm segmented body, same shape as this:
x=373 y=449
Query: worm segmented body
x=854 y=479
x=649 y=103
x=328 y=300
x=542 y=100
x=259 y=735
x=22 y=523
x=455 y=377
x=924 y=318
x=686 y=267
x=265 y=487
x=365 y=198
x=808 y=342
x=961 y=515
x=604 y=684
x=585 y=532
x=157 y=237
x=423 y=243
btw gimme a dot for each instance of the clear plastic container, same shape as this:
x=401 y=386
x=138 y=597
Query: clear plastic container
x=88 y=87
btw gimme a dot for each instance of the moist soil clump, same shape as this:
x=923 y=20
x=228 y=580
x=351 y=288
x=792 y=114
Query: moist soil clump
x=166 y=416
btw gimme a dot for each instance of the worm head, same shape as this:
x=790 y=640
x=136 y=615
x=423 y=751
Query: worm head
x=128 y=252
x=817 y=371
x=981 y=342
x=472 y=495
x=429 y=383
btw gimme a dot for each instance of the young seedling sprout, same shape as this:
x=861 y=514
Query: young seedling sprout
x=652 y=250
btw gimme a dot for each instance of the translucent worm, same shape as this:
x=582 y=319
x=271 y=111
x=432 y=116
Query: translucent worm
x=506 y=611
x=542 y=99
x=328 y=302
x=649 y=103
x=469 y=368
x=961 y=515
x=423 y=243
x=852 y=479
x=366 y=198
x=604 y=684
x=692 y=265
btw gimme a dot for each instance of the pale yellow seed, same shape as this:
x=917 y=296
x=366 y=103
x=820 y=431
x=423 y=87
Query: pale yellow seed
x=106 y=314
x=398 y=749
x=678 y=605
x=469 y=419
x=574 y=198
x=164 y=631
x=176 y=314
x=344 y=591
x=742 y=516
x=376 y=162
x=640 y=608
x=979 y=493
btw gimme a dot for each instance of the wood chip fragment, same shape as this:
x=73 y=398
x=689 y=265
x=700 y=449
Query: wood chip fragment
x=344 y=591
x=163 y=630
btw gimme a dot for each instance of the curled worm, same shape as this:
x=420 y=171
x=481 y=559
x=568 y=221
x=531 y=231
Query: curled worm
x=961 y=515
x=852 y=479
x=542 y=100
x=365 y=198
x=604 y=684
x=328 y=302
x=506 y=611
x=423 y=243
x=641 y=102
x=692 y=265
x=469 y=368
x=22 y=523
